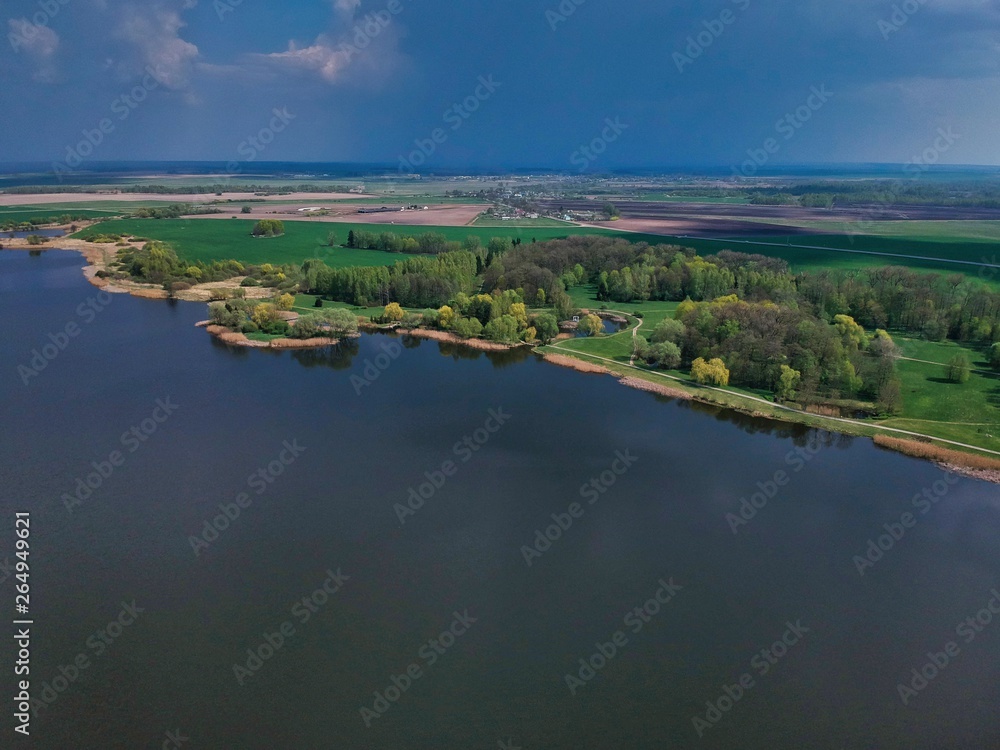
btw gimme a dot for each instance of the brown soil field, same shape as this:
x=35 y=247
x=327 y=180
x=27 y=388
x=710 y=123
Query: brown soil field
x=33 y=199
x=441 y=216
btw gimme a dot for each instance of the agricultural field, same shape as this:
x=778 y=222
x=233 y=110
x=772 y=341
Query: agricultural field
x=487 y=221
x=207 y=240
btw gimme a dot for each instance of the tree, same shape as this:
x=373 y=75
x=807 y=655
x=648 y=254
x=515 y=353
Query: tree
x=285 y=302
x=393 y=313
x=331 y=239
x=246 y=209
x=445 y=317
x=890 y=397
x=467 y=328
x=959 y=369
x=995 y=357
x=268 y=228
x=540 y=297
x=668 y=330
x=590 y=325
x=503 y=329
x=265 y=315
x=351 y=239
x=546 y=327
x=788 y=382
x=665 y=354
x=712 y=373
x=611 y=210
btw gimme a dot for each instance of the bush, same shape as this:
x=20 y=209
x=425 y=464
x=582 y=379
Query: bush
x=665 y=354
x=959 y=369
x=249 y=281
x=268 y=228
x=318 y=302
x=468 y=328
x=995 y=357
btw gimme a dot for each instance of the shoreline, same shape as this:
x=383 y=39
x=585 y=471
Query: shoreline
x=972 y=465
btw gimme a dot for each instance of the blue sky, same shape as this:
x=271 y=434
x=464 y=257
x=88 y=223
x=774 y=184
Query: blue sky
x=689 y=83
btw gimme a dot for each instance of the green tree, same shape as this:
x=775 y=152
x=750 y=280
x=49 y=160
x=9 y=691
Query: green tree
x=590 y=325
x=285 y=302
x=664 y=354
x=540 y=297
x=393 y=313
x=503 y=329
x=788 y=382
x=468 y=328
x=246 y=209
x=331 y=239
x=268 y=228
x=713 y=372
x=546 y=327
x=959 y=369
x=445 y=317
x=995 y=356
x=668 y=330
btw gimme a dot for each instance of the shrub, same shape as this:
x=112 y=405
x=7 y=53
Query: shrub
x=959 y=369
x=268 y=228
x=468 y=328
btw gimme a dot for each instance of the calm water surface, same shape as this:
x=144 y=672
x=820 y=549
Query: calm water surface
x=332 y=508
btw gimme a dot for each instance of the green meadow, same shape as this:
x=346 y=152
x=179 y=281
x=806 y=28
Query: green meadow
x=220 y=239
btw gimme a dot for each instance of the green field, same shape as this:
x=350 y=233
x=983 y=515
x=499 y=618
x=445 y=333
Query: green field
x=220 y=239
x=968 y=412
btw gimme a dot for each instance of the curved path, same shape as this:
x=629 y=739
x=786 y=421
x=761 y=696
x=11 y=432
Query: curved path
x=781 y=407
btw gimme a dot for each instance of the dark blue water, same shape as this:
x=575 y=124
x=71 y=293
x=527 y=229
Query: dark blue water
x=331 y=508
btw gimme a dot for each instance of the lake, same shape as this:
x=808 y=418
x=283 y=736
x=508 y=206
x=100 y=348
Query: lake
x=331 y=549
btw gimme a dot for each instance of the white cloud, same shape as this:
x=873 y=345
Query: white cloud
x=320 y=57
x=154 y=33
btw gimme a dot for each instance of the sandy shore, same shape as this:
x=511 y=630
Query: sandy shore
x=966 y=464
x=575 y=364
x=451 y=338
x=662 y=390
x=238 y=339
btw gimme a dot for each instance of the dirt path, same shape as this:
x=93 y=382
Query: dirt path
x=781 y=407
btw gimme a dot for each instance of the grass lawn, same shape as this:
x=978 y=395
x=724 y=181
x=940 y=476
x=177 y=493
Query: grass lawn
x=969 y=412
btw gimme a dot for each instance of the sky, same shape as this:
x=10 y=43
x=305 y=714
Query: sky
x=576 y=86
